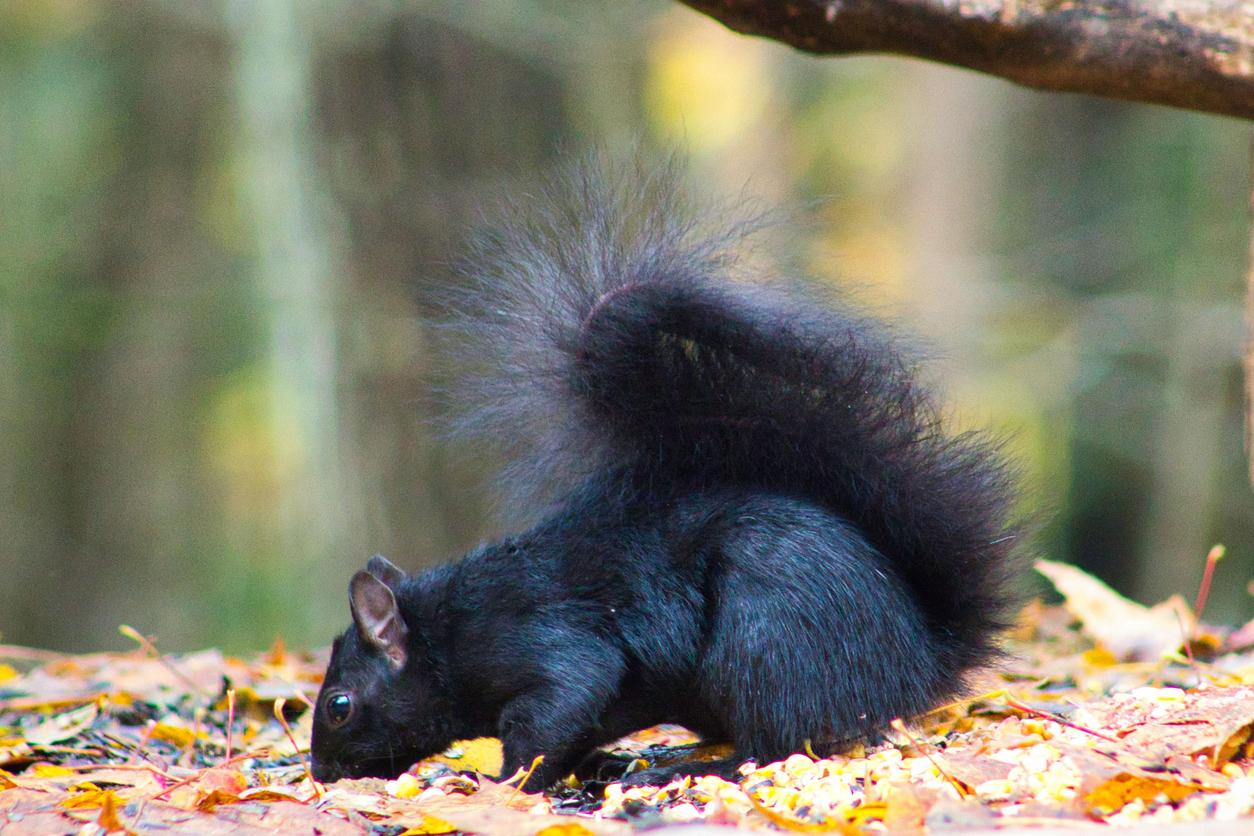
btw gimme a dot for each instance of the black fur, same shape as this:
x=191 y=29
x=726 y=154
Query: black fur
x=754 y=524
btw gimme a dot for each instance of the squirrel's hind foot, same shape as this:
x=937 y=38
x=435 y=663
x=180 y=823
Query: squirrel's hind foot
x=658 y=776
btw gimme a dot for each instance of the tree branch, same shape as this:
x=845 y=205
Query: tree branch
x=1196 y=54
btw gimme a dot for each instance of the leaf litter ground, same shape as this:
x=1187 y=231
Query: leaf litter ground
x=1102 y=716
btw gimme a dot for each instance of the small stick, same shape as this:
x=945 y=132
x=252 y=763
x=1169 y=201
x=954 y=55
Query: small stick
x=278 y=715
x=1215 y=555
x=189 y=754
x=230 y=720
x=1004 y=695
x=150 y=648
x=32 y=703
x=1000 y=693
x=243 y=756
x=1188 y=648
x=1062 y=721
x=138 y=752
x=900 y=727
x=525 y=778
x=125 y=767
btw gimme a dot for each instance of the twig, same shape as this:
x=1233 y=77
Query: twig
x=539 y=759
x=230 y=720
x=1215 y=555
x=900 y=728
x=151 y=649
x=1188 y=647
x=200 y=773
x=125 y=767
x=278 y=715
x=1062 y=721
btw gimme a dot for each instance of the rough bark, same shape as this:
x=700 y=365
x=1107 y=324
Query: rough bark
x=1195 y=54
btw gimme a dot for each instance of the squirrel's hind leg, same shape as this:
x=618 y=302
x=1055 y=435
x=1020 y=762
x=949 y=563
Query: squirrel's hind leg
x=813 y=639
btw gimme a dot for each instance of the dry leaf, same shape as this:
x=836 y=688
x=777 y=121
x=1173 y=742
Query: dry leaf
x=482 y=755
x=1127 y=629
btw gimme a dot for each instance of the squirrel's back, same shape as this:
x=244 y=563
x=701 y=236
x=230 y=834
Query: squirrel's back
x=613 y=332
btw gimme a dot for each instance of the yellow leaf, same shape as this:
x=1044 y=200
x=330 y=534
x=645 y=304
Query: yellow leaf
x=799 y=826
x=430 y=825
x=90 y=798
x=178 y=735
x=1100 y=657
x=1111 y=795
x=565 y=829
x=50 y=770
x=482 y=755
x=869 y=811
x=109 y=820
x=8 y=672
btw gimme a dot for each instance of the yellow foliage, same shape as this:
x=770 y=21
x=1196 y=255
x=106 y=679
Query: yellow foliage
x=705 y=85
x=571 y=829
x=89 y=798
x=405 y=786
x=1100 y=657
x=177 y=735
x=430 y=825
x=483 y=755
x=1111 y=795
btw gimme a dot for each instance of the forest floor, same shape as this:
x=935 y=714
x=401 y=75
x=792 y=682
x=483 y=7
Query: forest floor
x=1104 y=715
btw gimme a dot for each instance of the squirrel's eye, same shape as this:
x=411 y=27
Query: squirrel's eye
x=339 y=709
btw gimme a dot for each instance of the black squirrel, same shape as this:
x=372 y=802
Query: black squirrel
x=753 y=523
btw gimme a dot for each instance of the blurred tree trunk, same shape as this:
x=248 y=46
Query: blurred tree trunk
x=298 y=275
x=955 y=183
x=101 y=428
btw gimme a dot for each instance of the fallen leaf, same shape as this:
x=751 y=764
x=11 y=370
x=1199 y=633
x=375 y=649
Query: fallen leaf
x=62 y=726
x=1163 y=722
x=570 y=829
x=1110 y=795
x=1125 y=628
x=430 y=825
x=109 y=821
x=482 y=755
x=90 y=798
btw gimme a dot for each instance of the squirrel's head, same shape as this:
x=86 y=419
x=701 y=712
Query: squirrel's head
x=379 y=709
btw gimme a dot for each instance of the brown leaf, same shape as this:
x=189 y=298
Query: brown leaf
x=1127 y=629
x=972 y=765
x=1214 y=722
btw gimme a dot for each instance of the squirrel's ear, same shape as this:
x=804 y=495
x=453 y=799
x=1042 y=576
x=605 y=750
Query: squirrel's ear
x=386 y=571
x=377 y=617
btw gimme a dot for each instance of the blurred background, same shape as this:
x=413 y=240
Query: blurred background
x=216 y=217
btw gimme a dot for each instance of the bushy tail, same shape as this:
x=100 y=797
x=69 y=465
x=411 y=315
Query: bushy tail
x=612 y=331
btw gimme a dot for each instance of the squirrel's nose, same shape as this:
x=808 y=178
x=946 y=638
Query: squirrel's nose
x=324 y=772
